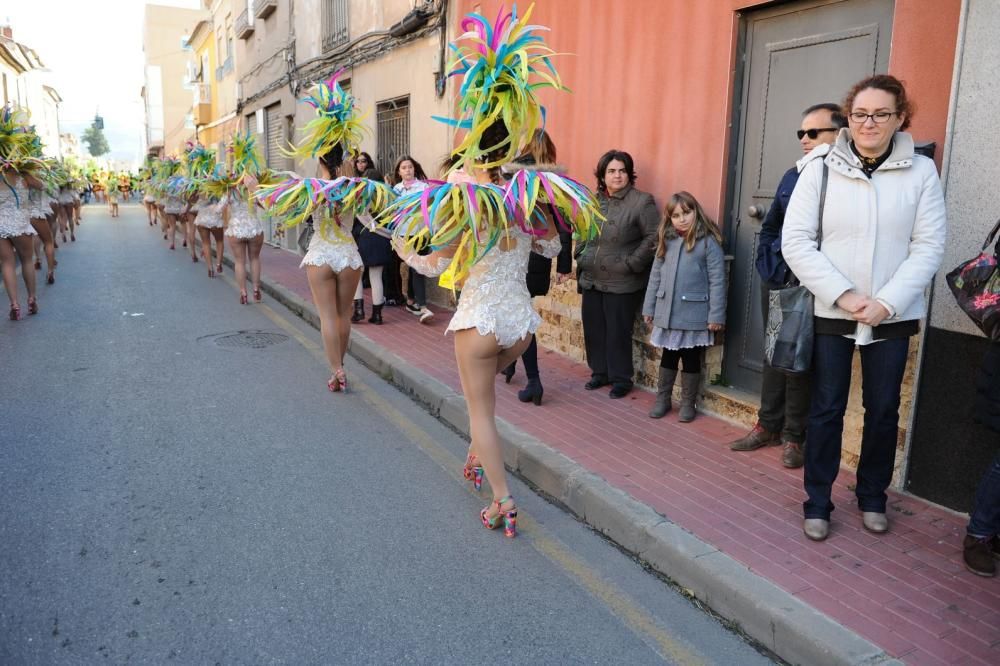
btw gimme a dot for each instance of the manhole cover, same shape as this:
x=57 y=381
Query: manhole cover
x=249 y=339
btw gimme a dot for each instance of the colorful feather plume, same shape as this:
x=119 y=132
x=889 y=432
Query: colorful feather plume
x=295 y=199
x=574 y=208
x=245 y=155
x=337 y=121
x=501 y=67
x=471 y=217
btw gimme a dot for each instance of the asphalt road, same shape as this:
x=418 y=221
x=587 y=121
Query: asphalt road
x=167 y=497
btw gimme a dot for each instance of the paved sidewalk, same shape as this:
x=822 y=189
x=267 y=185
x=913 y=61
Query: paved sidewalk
x=906 y=592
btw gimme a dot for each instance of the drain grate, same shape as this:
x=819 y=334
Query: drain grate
x=249 y=339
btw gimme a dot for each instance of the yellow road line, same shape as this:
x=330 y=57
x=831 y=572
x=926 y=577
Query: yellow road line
x=636 y=618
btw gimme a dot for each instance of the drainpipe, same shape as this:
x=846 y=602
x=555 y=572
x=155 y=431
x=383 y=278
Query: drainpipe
x=949 y=133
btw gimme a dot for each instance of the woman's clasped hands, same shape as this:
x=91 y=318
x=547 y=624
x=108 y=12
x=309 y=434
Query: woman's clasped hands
x=863 y=309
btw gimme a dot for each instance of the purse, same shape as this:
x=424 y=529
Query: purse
x=306 y=232
x=789 y=332
x=976 y=286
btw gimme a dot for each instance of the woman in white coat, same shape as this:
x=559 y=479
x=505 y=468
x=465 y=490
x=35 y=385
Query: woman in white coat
x=867 y=262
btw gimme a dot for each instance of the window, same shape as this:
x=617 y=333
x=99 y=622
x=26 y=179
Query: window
x=393 y=119
x=334 y=20
x=229 y=36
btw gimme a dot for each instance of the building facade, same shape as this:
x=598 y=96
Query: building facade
x=166 y=91
x=22 y=81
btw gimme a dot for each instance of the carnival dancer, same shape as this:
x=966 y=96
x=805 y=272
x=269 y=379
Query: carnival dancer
x=18 y=171
x=173 y=202
x=198 y=163
x=114 y=192
x=67 y=214
x=208 y=218
x=43 y=221
x=244 y=228
x=481 y=233
x=148 y=194
x=332 y=262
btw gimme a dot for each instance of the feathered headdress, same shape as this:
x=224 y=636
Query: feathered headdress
x=501 y=66
x=20 y=147
x=297 y=198
x=200 y=161
x=337 y=121
x=246 y=158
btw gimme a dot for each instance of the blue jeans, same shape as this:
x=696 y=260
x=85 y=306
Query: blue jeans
x=882 y=365
x=984 y=521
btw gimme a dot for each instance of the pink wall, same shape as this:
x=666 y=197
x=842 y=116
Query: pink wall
x=655 y=78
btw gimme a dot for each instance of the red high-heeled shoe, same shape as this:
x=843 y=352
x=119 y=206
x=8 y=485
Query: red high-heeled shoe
x=243 y=297
x=32 y=305
x=15 y=311
x=211 y=273
x=218 y=269
x=51 y=279
x=172 y=247
x=194 y=259
x=38 y=264
x=256 y=294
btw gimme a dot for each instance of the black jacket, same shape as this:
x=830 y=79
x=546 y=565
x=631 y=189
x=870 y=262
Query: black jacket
x=988 y=389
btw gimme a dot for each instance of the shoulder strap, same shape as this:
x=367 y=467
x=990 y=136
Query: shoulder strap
x=822 y=203
x=989 y=239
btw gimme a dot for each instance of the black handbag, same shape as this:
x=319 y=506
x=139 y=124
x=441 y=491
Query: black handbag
x=976 y=286
x=789 y=332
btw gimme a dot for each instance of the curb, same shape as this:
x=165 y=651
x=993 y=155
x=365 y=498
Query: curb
x=790 y=628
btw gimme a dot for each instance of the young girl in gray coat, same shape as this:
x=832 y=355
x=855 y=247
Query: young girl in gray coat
x=685 y=299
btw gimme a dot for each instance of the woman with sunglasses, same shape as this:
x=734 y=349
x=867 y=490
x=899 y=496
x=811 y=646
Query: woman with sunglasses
x=864 y=232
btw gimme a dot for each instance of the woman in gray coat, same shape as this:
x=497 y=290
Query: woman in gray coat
x=685 y=299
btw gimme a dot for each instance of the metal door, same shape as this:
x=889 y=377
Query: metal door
x=793 y=55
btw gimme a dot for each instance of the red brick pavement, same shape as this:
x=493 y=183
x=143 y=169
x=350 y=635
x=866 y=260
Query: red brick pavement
x=906 y=591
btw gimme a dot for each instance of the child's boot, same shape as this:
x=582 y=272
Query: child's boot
x=663 y=390
x=690 y=383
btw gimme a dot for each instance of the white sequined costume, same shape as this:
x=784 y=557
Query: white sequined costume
x=41 y=204
x=15 y=217
x=495 y=299
x=337 y=250
x=243 y=221
x=209 y=215
x=174 y=205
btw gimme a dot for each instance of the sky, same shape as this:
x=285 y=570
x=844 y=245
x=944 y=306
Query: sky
x=94 y=52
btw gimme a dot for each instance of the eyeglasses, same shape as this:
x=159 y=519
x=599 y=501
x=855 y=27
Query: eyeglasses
x=813 y=133
x=878 y=117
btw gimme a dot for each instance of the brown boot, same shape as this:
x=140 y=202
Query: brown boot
x=756 y=438
x=664 y=388
x=791 y=455
x=978 y=557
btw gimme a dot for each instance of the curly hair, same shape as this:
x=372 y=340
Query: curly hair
x=890 y=84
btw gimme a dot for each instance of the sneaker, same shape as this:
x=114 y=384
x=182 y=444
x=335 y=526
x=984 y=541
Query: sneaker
x=791 y=455
x=976 y=552
x=755 y=439
x=425 y=315
x=413 y=309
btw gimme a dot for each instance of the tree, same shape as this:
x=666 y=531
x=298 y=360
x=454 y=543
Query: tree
x=97 y=145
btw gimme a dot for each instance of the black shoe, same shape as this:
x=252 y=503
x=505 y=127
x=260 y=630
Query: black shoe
x=359 y=311
x=977 y=555
x=508 y=373
x=412 y=308
x=596 y=383
x=376 y=317
x=532 y=392
x=619 y=391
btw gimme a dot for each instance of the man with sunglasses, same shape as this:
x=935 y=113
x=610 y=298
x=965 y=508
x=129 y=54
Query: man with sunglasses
x=784 y=399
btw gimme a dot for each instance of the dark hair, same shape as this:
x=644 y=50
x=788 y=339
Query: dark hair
x=333 y=159
x=837 y=116
x=495 y=139
x=374 y=174
x=354 y=160
x=606 y=159
x=889 y=84
x=418 y=171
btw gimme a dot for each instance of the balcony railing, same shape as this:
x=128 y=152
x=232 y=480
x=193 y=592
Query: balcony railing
x=244 y=25
x=264 y=8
